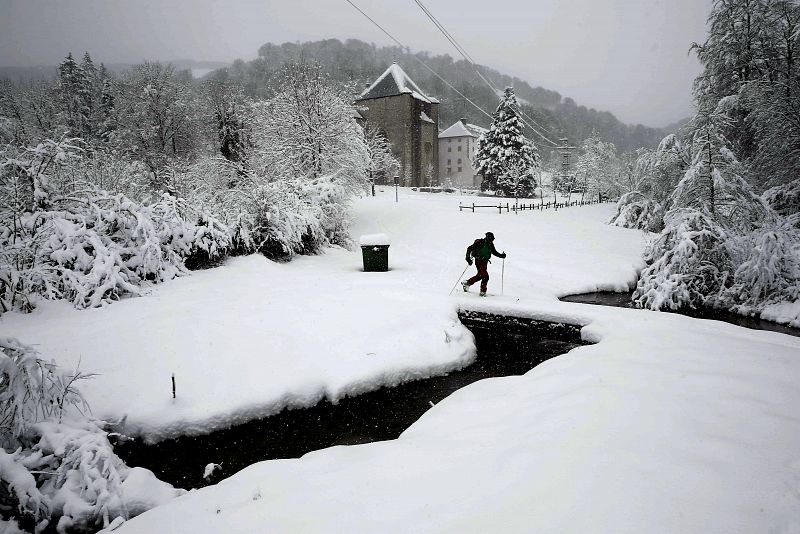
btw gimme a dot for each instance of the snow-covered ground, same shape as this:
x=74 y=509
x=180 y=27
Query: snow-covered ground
x=668 y=424
x=252 y=337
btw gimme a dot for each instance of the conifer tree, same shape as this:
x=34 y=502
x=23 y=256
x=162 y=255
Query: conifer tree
x=74 y=97
x=506 y=159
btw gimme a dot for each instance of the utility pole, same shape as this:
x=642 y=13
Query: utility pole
x=396 y=185
x=565 y=153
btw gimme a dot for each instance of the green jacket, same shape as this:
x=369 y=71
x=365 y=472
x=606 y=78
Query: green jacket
x=482 y=250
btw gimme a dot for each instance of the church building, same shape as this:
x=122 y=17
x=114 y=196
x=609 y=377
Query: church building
x=410 y=121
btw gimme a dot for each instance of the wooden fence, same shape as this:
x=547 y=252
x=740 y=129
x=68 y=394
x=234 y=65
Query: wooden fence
x=530 y=207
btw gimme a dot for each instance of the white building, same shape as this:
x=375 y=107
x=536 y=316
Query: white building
x=457 y=146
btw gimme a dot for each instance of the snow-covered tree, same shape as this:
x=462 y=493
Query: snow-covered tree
x=226 y=102
x=596 y=167
x=518 y=180
x=723 y=245
x=74 y=95
x=504 y=149
x=714 y=181
x=647 y=181
x=307 y=159
x=751 y=53
x=155 y=116
x=383 y=165
x=687 y=262
x=308 y=130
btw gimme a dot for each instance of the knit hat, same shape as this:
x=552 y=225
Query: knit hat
x=490 y=236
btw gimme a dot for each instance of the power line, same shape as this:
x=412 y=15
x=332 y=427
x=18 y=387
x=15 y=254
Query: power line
x=461 y=50
x=455 y=43
x=471 y=61
x=401 y=45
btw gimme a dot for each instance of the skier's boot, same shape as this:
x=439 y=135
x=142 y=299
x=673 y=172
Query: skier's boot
x=483 y=293
x=465 y=286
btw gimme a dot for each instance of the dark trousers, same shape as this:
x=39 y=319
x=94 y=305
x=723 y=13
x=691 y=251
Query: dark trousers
x=483 y=275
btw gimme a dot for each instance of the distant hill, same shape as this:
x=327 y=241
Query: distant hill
x=49 y=72
x=361 y=63
x=677 y=125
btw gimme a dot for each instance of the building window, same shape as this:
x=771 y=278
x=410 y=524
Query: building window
x=448 y=162
x=459 y=161
x=459 y=148
x=459 y=169
x=449 y=170
x=448 y=139
x=449 y=149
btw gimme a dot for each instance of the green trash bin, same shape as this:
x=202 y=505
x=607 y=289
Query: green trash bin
x=375 y=250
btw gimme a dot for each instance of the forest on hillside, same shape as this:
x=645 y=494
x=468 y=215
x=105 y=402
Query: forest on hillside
x=359 y=64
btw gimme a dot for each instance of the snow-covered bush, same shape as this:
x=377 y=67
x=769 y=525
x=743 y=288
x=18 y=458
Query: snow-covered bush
x=58 y=468
x=649 y=180
x=785 y=200
x=636 y=210
x=62 y=237
x=696 y=262
x=31 y=390
x=687 y=262
x=287 y=217
x=768 y=271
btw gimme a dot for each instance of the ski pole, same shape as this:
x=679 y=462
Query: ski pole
x=459 y=279
x=503 y=277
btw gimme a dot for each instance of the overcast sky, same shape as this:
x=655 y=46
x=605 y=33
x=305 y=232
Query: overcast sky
x=625 y=56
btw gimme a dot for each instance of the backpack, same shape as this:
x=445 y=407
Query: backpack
x=477 y=247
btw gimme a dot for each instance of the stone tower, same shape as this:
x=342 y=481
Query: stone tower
x=410 y=121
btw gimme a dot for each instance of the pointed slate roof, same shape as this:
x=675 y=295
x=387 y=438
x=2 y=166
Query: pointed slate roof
x=394 y=81
x=462 y=129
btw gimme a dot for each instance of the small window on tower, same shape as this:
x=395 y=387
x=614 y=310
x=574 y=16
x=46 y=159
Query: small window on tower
x=459 y=169
x=459 y=148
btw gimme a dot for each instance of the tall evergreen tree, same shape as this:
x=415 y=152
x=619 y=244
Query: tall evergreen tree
x=74 y=95
x=106 y=107
x=507 y=160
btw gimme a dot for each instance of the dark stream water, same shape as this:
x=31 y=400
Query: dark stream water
x=623 y=300
x=506 y=346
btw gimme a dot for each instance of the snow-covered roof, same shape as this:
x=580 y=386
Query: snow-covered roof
x=424 y=118
x=394 y=81
x=463 y=129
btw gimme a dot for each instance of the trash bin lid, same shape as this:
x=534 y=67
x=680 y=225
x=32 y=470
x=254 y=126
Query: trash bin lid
x=371 y=240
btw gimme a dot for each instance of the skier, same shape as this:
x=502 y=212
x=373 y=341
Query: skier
x=481 y=250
